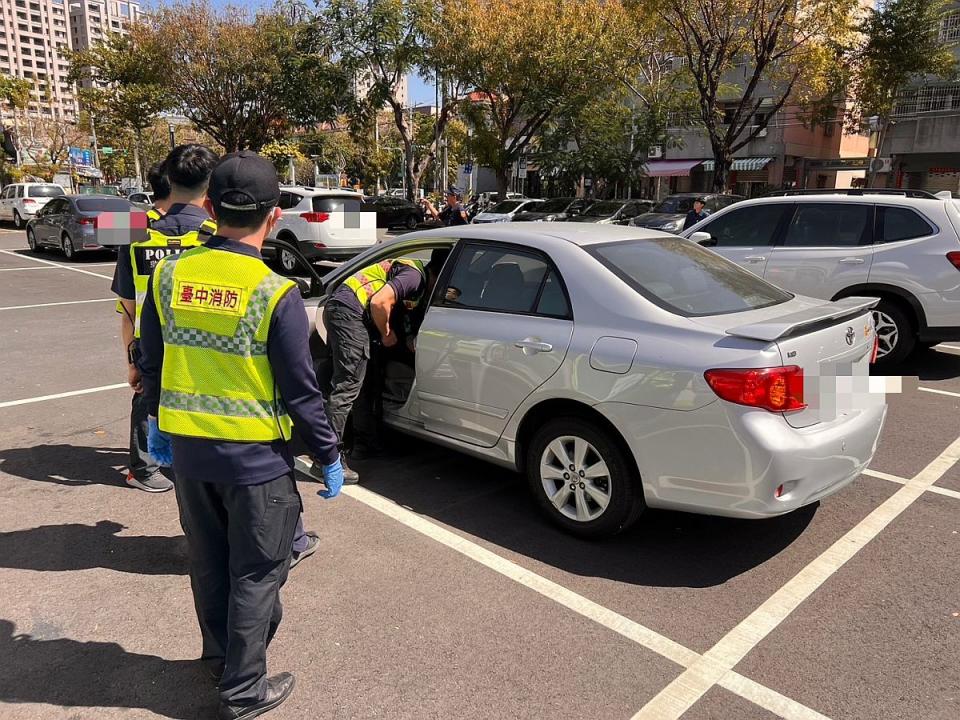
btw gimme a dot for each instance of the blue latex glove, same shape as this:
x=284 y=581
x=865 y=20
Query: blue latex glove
x=158 y=444
x=333 y=479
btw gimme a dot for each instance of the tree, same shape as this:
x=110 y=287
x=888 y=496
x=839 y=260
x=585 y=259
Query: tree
x=901 y=43
x=14 y=91
x=528 y=61
x=783 y=51
x=246 y=81
x=379 y=42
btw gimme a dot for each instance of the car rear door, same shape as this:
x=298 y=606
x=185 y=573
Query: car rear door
x=825 y=248
x=42 y=228
x=746 y=235
x=348 y=224
x=499 y=328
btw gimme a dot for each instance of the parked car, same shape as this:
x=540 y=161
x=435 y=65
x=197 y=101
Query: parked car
x=506 y=210
x=323 y=224
x=680 y=385
x=902 y=247
x=394 y=212
x=612 y=212
x=68 y=223
x=670 y=214
x=142 y=200
x=554 y=209
x=20 y=201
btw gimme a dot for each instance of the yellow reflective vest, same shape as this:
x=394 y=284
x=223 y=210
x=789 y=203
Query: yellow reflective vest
x=215 y=308
x=370 y=280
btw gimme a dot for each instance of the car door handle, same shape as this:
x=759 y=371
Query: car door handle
x=531 y=346
x=852 y=261
x=755 y=258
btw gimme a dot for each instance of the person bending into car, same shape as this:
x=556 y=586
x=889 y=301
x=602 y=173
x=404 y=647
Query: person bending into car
x=357 y=315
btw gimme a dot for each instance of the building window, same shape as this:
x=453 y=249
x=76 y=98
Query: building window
x=950 y=27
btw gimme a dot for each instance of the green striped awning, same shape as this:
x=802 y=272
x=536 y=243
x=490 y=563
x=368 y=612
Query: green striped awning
x=741 y=164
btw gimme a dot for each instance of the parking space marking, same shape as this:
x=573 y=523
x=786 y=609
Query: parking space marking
x=57 y=396
x=680 y=695
x=939 y=392
x=57 y=265
x=936 y=489
x=650 y=639
x=63 y=302
x=32 y=267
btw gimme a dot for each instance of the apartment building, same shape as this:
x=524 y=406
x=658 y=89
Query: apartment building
x=33 y=34
x=91 y=21
x=922 y=140
x=363 y=82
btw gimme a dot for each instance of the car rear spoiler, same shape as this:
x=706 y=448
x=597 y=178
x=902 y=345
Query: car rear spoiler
x=804 y=321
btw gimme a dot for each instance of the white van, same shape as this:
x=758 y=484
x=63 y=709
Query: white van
x=20 y=201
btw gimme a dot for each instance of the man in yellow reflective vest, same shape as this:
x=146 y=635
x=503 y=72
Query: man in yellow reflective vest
x=226 y=373
x=359 y=309
x=177 y=221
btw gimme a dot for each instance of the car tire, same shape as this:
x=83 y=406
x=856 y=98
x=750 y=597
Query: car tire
x=578 y=510
x=17 y=220
x=66 y=246
x=411 y=223
x=32 y=241
x=896 y=333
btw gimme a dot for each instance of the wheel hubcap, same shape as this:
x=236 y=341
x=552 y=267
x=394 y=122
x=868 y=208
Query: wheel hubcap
x=887 y=333
x=575 y=478
x=287 y=259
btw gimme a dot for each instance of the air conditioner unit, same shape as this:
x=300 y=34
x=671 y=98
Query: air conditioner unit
x=655 y=151
x=761 y=133
x=881 y=165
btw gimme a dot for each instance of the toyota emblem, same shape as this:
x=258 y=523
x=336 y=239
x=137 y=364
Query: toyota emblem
x=851 y=336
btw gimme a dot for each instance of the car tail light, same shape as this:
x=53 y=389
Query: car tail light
x=28 y=201
x=87 y=221
x=319 y=246
x=315 y=217
x=876 y=349
x=954 y=258
x=776 y=389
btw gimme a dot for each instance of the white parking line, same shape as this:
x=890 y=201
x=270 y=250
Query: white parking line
x=57 y=265
x=57 y=396
x=680 y=695
x=32 y=267
x=947 y=492
x=63 y=302
x=939 y=392
x=644 y=636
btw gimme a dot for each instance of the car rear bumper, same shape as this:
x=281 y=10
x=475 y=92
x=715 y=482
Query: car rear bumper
x=724 y=459
x=311 y=252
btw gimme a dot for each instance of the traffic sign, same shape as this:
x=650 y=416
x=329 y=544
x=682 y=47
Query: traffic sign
x=468 y=169
x=107 y=150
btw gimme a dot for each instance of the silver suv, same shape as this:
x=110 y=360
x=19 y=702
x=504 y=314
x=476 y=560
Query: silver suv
x=900 y=246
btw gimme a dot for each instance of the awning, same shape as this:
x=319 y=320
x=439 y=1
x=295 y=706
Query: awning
x=88 y=171
x=670 y=168
x=741 y=164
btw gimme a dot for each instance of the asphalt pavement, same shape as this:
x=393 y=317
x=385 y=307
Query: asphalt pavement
x=439 y=591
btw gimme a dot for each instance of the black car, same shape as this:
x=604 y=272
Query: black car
x=612 y=212
x=554 y=209
x=396 y=212
x=672 y=211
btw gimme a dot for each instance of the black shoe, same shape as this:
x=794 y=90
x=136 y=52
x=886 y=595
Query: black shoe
x=279 y=688
x=313 y=542
x=350 y=476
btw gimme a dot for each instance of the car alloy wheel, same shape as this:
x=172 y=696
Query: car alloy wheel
x=288 y=261
x=66 y=244
x=896 y=334
x=31 y=240
x=17 y=220
x=575 y=478
x=887 y=333
x=411 y=222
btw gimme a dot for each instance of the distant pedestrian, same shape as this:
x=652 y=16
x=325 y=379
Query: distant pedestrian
x=453 y=213
x=697 y=214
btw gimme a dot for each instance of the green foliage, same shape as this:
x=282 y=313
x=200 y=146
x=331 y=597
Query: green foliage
x=14 y=91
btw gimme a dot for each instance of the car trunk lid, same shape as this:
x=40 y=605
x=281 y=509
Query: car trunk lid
x=349 y=220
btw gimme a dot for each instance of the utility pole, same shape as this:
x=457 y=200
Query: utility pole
x=93 y=139
x=173 y=135
x=376 y=144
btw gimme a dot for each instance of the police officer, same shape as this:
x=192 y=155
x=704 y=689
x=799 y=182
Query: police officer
x=696 y=214
x=452 y=213
x=359 y=309
x=226 y=372
x=176 y=221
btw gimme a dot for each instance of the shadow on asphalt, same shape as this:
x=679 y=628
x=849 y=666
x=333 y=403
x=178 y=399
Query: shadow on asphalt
x=67 y=464
x=75 y=674
x=81 y=258
x=82 y=547
x=664 y=549
x=929 y=365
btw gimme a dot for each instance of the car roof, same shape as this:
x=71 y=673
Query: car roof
x=313 y=192
x=582 y=234
x=828 y=197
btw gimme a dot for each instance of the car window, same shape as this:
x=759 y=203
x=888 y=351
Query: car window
x=503 y=280
x=631 y=210
x=507 y=206
x=675 y=205
x=337 y=203
x=45 y=191
x=686 y=279
x=55 y=206
x=828 y=225
x=104 y=204
x=19 y=191
x=553 y=300
x=6 y=192
x=747 y=227
x=902 y=224
x=553 y=206
x=605 y=208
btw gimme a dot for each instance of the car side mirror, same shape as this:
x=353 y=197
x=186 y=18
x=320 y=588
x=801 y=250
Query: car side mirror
x=704 y=238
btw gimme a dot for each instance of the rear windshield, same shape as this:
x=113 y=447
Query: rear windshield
x=508 y=206
x=45 y=191
x=675 y=205
x=102 y=204
x=550 y=206
x=602 y=209
x=337 y=203
x=686 y=279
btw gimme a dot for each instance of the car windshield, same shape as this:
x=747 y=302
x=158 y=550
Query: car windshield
x=337 y=203
x=103 y=204
x=45 y=191
x=603 y=209
x=508 y=206
x=686 y=279
x=553 y=206
x=675 y=205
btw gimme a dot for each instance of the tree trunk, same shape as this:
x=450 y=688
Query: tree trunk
x=721 y=169
x=136 y=157
x=409 y=169
x=503 y=180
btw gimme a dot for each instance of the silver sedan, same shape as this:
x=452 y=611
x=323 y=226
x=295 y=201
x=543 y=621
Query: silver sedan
x=625 y=368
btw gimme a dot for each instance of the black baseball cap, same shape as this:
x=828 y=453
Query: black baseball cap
x=243 y=182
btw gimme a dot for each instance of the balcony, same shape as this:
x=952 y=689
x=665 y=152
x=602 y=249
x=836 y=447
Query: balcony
x=927 y=99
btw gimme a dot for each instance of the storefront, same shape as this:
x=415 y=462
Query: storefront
x=665 y=177
x=749 y=177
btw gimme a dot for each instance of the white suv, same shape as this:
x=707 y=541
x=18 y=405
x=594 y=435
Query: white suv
x=901 y=246
x=20 y=201
x=323 y=224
